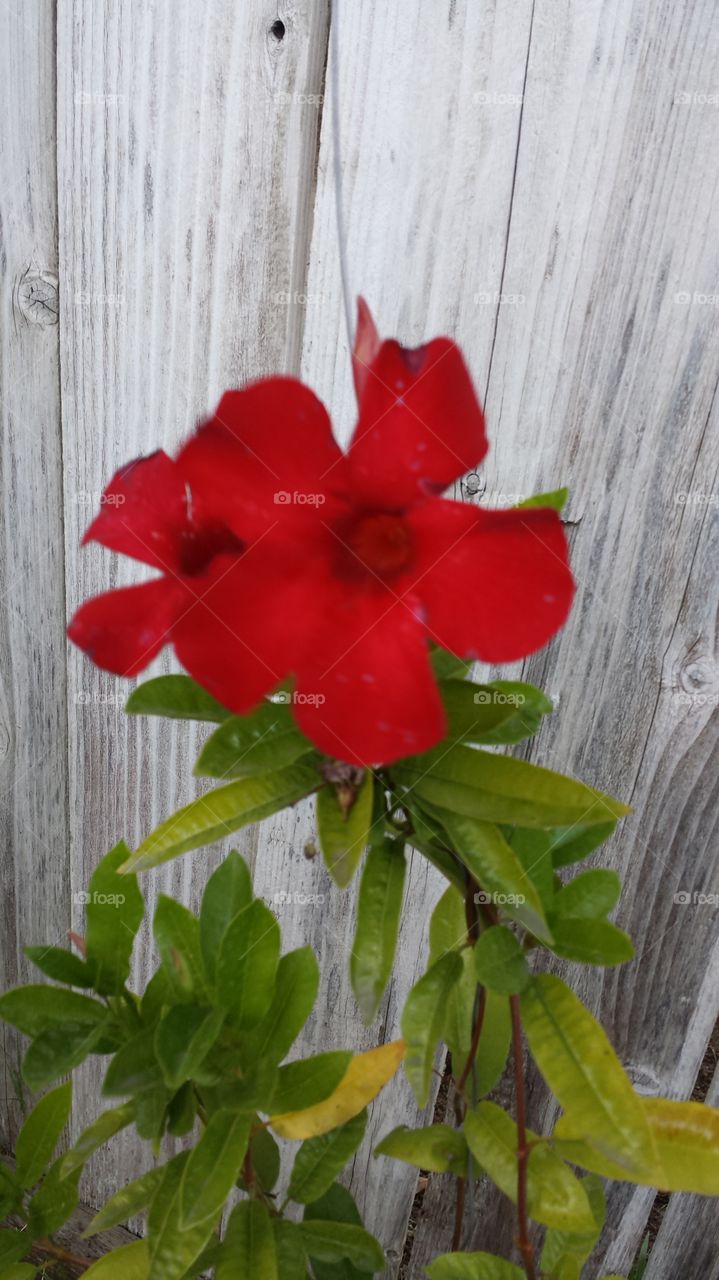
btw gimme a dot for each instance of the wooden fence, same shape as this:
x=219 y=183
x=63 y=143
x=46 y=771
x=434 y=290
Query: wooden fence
x=537 y=178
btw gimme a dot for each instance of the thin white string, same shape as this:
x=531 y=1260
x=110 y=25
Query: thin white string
x=337 y=152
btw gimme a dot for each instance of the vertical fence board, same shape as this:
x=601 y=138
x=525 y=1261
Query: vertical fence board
x=184 y=217
x=34 y=880
x=428 y=177
x=603 y=376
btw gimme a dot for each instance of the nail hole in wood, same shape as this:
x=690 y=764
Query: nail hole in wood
x=278 y=29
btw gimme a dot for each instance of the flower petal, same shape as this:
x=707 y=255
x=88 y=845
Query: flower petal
x=123 y=630
x=420 y=423
x=496 y=585
x=143 y=512
x=267 y=455
x=365 y=693
x=251 y=623
x=366 y=348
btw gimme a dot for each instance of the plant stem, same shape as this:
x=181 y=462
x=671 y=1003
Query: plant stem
x=523 y=1241
x=63 y=1255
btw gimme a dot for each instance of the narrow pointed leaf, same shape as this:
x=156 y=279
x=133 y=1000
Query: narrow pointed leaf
x=423 y=1019
x=213 y=1167
x=473 y=1266
x=499 y=961
x=365 y=1077
x=177 y=697
x=505 y=711
x=220 y=812
x=58 y=1050
x=129 y=1262
x=582 y=1070
x=173 y=1247
x=591 y=941
x=591 y=895
x=344 y=834
x=228 y=890
x=61 y=965
x=177 y=934
x=183 y=1039
x=247 y=964
x=128 y=1201
x=378 y=916
x=319 y=1160
x=95 y=1136
x=40 y=1134
x=248 y=1250
x=113 y=913
x=555 y=1196
x=36 y=1007
x=310 y=1080
x=436 y=1147
x=294 y=996
x=334 y=1241
x=263 y=741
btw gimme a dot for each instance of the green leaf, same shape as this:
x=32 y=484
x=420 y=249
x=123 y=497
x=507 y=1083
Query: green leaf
x=58 y=1050
x=220 y=812
x=13 y=1245
x=366 y=1075
x=248 y=1250
x=556 y=499
x=437 y=1148
x=591 y=941
x=263 y=741
x=177 y=934
x=504 y=711
x=114 y=913
x=333 y=1241
x=151 y=1114
x=54 y=1202
x=177 y=697
x=494 y=788
x=336 y=1205
x=591 y=895
x=344 y=834
x=685 y=1138
x=182 y=1111
x=265 y=1158
x=36 y=1007
x=294 y=996
x=428 y=837
x=582 y=1070
x=446 y=666
x=422 y=1021
x=572 y=844
x=494 y=1043
x=534 y=850
x=129 y=1262
x=319 y=1160
x=184 y=1038
x=499 y=961
x=128 y=1201
x=213 y=1167
x=228 y=890
x=555 y=1196
x=497 y=869
x=19 y=1271
x=559 y=1245
x=378 y=918
x=95 y=1136
x=133 y=1068
x=472 y=1266
x=247 y=964
x=309 y=1080
x=448 y=925
x=40 y=1134
x=174 y=1248
x=60 y=965
x=291 y=1256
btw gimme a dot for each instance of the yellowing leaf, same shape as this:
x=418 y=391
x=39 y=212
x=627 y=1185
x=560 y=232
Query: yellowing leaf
x=686 y=1138
x=365 y=1076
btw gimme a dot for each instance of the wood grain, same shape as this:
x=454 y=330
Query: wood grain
x=187 y=153
x=34 y=880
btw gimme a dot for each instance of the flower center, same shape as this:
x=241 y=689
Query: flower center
x=199 y=546
x=383 y=543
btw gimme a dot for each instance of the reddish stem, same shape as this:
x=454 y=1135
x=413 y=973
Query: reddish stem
x=523 y=1241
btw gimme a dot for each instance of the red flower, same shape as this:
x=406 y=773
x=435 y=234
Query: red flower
x=352 y=563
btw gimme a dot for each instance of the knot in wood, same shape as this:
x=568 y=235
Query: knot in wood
x=36 y=296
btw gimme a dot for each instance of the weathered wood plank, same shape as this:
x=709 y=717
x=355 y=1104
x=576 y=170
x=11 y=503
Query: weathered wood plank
x=603 y=377
x=187 y=154
x=428 y=177
x=34 y=880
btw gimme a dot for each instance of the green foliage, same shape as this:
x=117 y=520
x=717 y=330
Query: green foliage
x=245 y=746
x=378 y=918
x=177 y=697
x=344 y=823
